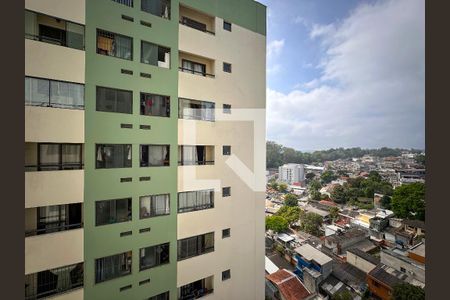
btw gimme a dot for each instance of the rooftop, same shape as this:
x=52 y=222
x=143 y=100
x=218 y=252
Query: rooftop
x=383 y=274
x=419 y=250
x=289 y=285
x=311 y=253
x=349 y=274
x=415 y=223
x=320 y=212
x=351 y=233
x=366 y=256
x=270 y=266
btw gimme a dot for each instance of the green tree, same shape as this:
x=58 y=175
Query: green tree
x=273 y=185
x=339 y=194
x=276 y=223
x=315 y=195
x=328 y=176
x=385 y=202
x=290 y=200
x=334 y=213
x=290 y=213
x=315 y=185
x=310 y=176
x=282 y=187
x=375 y=176
x=408 y=201
x=310 y=222
x=406 y=291
x=344 y=295
x=273 y=154
x=420 y=159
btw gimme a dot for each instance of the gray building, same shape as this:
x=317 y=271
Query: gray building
x=291 y=173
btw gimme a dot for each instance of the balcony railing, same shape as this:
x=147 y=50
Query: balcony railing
x=58 y=227
x=192 y=71
x=195 y=162
x=52 y=282
x=187 y=22
x=54 y=167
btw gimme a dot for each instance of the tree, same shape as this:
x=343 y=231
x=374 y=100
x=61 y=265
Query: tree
x=334 y=212
x=282 y=187
x=406 y=291
x=310 y=223
x=290 y=213
x=273 y=153
x=385 y=202
x=328 y=176
x=276 y=223
x=273 y=185
x=344 y=295
x=315 y=195
x=375 y=176
x=339 y=194
x=420 y=159
x=310 y=176
x=315 y=185
x=408 y=201
x=290 y=200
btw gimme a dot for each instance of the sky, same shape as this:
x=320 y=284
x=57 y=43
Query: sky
x=346 y=73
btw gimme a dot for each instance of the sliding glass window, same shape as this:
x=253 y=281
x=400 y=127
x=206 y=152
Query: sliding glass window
x=113 y=44
x=196 y=245
x=195 y=110
x=112 y=211
x=52 y=157
x=155 y=105
x=160 y=8
x=155 y=55
x=195 y=200
x=114 y=266
x=195 y=155
x=155 y=155
x=154 y=205
x=154 y=256
x=110 y=156
x=114 y=100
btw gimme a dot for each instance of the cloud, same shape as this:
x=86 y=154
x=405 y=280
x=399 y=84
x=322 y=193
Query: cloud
x=274 y=48
x=371 y=89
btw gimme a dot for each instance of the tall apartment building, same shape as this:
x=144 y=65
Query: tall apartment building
x=134 y=110
x=291 y=173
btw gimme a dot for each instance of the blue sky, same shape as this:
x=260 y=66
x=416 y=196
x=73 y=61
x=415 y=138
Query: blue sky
x=345 y=73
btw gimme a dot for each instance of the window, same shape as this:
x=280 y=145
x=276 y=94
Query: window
x=195 y=110
x=155 y=55
x=53 y=93
x=114 y=100
x=54 y=281
x=193 y=24
x=160 y=8
x=125 y=2
x=226 y=191
x=52 y=30
x=196 y=289
x=195 y=245
x=226 y=275
x=193 y=67
x=162 y=296
x=155 y=155
x=112 y=211
x=113 y=44
x=403 y=269
x=110 y=267
x=109 y=156
x=226 y=26
x=226 y=233
x=227 y=108
x=195 y=200
x=195 y=155
x=53 y=157
x=153 y=256
x=226 y=150
x=155 y=105
x=154 y=205
x=227 y=67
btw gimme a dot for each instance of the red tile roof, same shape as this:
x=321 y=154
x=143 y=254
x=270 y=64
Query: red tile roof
x=289 y=285
x=329 y=203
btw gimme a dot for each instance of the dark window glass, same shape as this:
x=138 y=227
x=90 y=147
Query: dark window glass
x=196 y=110
x=125 y=2
x=155 y=105
x=155 y=155
x=226 y=150
x=114 y=100
x=110 y=156
x=227 y=67
x=162 y=296
x=196 y=245
x=154 y=205
x=195 y=289
x=226 y=191
x=153 y=256
x=226 y=233
x=113 y=44
x=113 y=266
x=193 y=67
x=195 y=155
x=195 y=200
x=160 y=8
x=226 y=275
x=193 y=24
x=59 y=157
x=227 y=108
x=112 y=211
x=155 y=55
x=226 y=26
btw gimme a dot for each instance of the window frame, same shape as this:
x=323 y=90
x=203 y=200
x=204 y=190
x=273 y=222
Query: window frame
x=166 y=163
x=152 y=214
x=115 y=34
x=142 y=100
x=128 y=260
x=197 y=206
x=158 y=47
x=226 y=66
x=226 y=151
x=226 y=233
x=155 y=249
x=200 y=246
x=226 y=275
x=129 y=208
x=226 y=188
x=226 y=108
x=225 y=26
x=115 y=90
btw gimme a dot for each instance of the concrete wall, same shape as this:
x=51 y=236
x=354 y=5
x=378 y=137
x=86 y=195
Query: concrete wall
x=359 y=262
x=71 y=10
x=412 y=269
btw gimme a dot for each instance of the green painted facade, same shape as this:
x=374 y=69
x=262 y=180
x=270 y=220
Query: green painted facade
x=104 y=127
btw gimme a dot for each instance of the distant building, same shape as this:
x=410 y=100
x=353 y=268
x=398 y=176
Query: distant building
x=285 y=285
x=313 y=259
x=381 y=281
x=362 y=260
x=291 y=173
x=341 y=241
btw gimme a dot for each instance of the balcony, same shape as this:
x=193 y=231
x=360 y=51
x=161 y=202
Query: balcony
x=197 y=65
x=195 y=155
x=197 y=20
x=48 y=251
x=65 y=281
x=196 y=289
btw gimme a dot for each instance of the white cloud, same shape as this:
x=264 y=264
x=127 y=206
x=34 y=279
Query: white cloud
x=274 y=48
x=371 y=92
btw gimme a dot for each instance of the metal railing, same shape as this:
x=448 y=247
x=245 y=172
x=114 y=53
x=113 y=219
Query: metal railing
x=54 y=167
x=125 y=2
x=195 y=162
x=55 y=281
x=204 y=74
x=186 y=23
x=58 y=228
x=195 y=294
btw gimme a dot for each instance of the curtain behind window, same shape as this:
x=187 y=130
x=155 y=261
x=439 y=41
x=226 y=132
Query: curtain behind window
x=31 y=28
x=75 y=35
x=122 y=47
x=66 y=94
x=149 y=53
x=157 y=155
x=36 y=91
